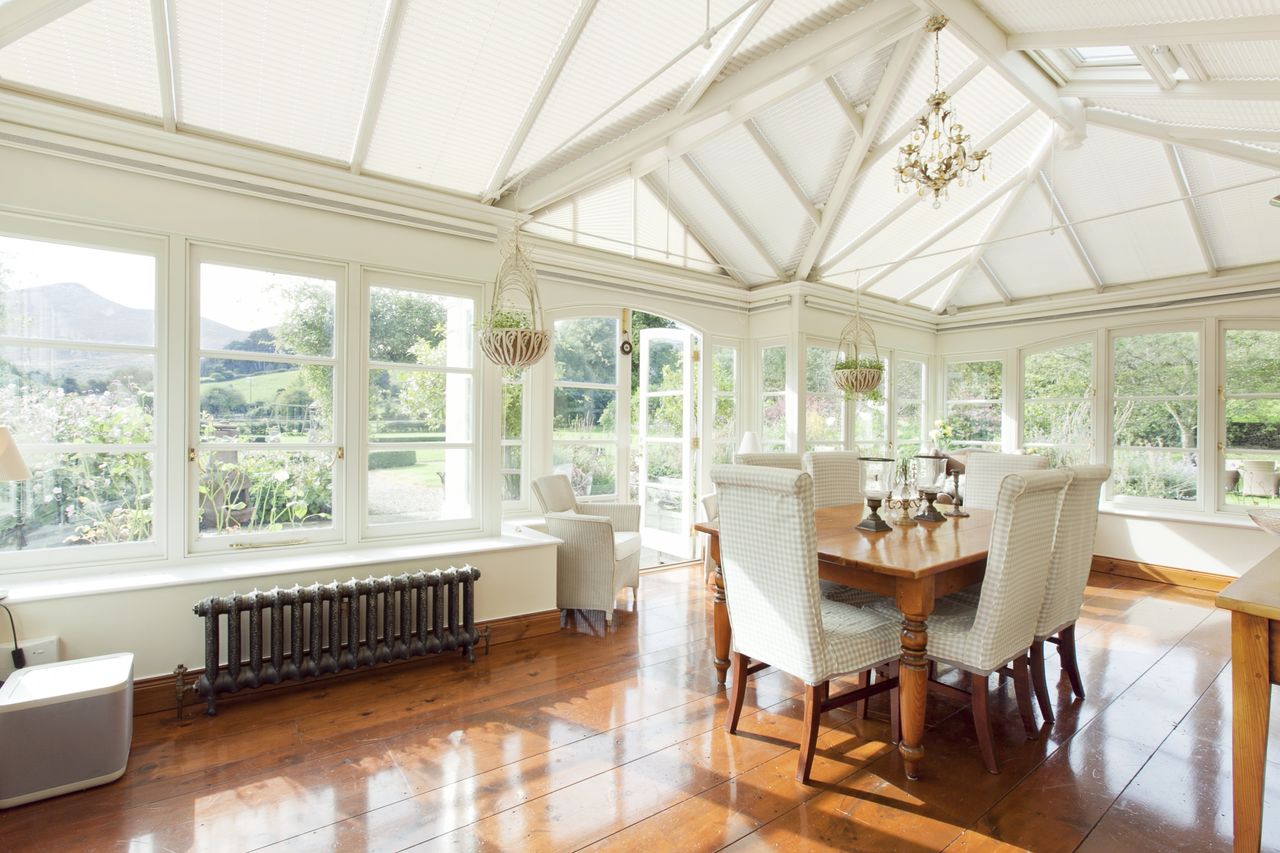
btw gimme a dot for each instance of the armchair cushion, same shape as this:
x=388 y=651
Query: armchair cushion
x=625 y=544
x=555 y=494
x=623 y=516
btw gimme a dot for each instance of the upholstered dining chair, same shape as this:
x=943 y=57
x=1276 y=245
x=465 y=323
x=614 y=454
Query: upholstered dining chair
x=983 y=472
x=710 y=512
x=791 y=461
x=769 y=556
x=1068 y=576
x=837 y=477
x=599 y=551
x=984 y=638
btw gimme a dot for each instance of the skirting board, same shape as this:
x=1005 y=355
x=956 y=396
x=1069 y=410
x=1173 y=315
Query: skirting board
x=1160 y=574
x=158 y=693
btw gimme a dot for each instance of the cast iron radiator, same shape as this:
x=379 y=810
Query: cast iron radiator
x=308 y=631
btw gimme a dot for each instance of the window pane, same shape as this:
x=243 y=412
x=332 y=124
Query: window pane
x=587 y=350
x=419 y=405
x=512 y=472
x=818 y=366
x=583 y=412
x=78 y=499
x=1062 y=456
x=50 y=396
x=591 y=468
x=1057 y=423
x=726 y=420
x=666 y=365
x=513 y=407
x=76 y=293
x=289 y=403
x=1162 y=364
x=824 y=419
x=1253 y=424
x=407 y=327
x=909 y=423
x=1253 y=361
x=1251 y=479
x=724 y=369
x=722 y=454
x=1155 y=474
x=263 y=491
x=1168 y=424
x=1065 y=372
x=666 y=416
x=975 y=422
x=773 y=375
x=975 y=380
x=774 y=418
x=432 y=484
x=870 y=420
x=262 y=311
x=909 y=381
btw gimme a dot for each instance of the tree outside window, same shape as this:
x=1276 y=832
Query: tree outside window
x=1057 y=403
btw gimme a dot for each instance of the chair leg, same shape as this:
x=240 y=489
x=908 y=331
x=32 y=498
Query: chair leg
x=860 y=707
x=982 y=721
x=1022 y=690
x=895 y=711
x=1067 y=654
x=814 y=696
x=1038 y=681
x=739 y=690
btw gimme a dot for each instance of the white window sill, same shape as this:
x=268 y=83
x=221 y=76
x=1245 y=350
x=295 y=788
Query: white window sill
x=32 y=587
x=1213 y=518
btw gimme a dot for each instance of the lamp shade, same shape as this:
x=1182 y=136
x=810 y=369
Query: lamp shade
x=12 y=466
x=750 y=443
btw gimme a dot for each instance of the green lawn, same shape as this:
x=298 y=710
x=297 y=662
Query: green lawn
x=260 y=387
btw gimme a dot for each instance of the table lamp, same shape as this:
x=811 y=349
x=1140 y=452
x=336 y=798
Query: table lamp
x=13 y=468
x=750 y=443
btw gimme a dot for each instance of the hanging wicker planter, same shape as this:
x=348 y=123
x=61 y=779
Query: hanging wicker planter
x=860 y=373
x=511 y=336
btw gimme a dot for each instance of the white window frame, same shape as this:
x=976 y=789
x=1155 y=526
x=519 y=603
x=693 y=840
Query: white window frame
x=895 y=404
x=621 y=387
x=1020 y=395
x=1007 y=427
x=788 y=397
x=336 y=531
x=521 y=503
x=846 y=439
x=113 y=240
x=1223 y=450
x=713 y=394
x=373 y=277
x=1108 y=412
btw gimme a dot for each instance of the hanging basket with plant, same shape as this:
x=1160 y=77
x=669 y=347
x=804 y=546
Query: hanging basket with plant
x=511 y=335
x=860 y=372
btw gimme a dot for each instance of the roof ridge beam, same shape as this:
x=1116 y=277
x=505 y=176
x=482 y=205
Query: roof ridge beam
x=1253 y=28
x=1144 y=127
x=1077 y=246
x=19 y=18
x=1211 y=90
x=747 y=231
x=723 y=56
x=728 y=102
x=1189 y=205
x=894 y=75
x=783 y=172
x=387 y=43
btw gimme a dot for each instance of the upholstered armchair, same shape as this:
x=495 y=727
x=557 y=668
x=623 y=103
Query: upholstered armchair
x=599 y=551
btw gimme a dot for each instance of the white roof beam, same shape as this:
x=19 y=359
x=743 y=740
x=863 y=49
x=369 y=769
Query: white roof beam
x=1077 y=247
x=674 y=208
x=742 y=225
x=23 y=17
x=1190 y=62
x=166 y=54
x=894 y=75
x=996 y=284
x=387 y=41
x=1189 y=205
x=913 y=198
x=1226 y=134
x=850 y=114
x=1213 y=90
x=783 y=172
x=1255 y=28
x=991 y=43
x=563 y=52
x=721 y=57
x=894 y=137
x=1153 y=66
x=1166 y=133
x=729 y=102
x=952 y=270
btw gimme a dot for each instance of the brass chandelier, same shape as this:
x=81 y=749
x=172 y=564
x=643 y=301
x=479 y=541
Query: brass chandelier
x=937 y=152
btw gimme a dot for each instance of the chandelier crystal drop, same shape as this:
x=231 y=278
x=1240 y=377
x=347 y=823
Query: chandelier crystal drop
x=938 y=152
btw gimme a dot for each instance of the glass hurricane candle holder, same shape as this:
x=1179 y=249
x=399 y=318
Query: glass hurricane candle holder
x=873 y=522
x=928 y=512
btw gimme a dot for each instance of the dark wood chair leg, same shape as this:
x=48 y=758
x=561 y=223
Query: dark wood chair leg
x=1038 y=681
x=895 y=710
x=1022 y=690
x=1067 y=654
x=739 y=690
x=982 y=721
x=860 y=708
x=814 y=696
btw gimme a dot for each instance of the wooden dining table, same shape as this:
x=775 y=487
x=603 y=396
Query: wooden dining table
x=915 y=565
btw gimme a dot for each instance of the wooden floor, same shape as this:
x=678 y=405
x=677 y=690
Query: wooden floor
x=615 y=740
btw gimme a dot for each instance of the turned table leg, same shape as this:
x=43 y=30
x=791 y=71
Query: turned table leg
x=720 y=616
x=915 y=600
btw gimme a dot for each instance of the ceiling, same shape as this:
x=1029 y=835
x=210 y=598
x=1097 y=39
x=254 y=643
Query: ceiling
x=1133 y=144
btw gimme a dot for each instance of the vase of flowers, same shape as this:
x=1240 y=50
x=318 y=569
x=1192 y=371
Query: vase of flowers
x=942 y=435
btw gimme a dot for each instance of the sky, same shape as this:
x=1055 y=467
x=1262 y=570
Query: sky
x=234 y=296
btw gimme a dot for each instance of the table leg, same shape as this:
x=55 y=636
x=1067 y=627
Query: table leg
x=720 y=617
x=915 y=600
x=1250 y=715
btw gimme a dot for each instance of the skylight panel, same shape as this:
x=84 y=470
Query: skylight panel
x=811 y=135
x=1096 y=56
x=284 y=73
x=103 y=52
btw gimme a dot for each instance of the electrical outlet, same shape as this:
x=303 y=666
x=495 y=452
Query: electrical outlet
x=38 y=650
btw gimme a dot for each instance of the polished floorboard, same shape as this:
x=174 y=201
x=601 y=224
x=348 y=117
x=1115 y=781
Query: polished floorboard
x=614 y=739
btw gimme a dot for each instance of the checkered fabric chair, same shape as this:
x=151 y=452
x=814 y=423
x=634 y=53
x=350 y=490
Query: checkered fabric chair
x=1068 y=575
x=982 y=639
x=710 y=512
x=599 y=551
x=837 y=477
x=984 y=471
x=791 y=461
x=769 y=556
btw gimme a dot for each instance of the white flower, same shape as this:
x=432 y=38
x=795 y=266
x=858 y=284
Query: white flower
x=281 y=476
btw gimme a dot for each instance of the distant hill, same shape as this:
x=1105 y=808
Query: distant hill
x=71 y=311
